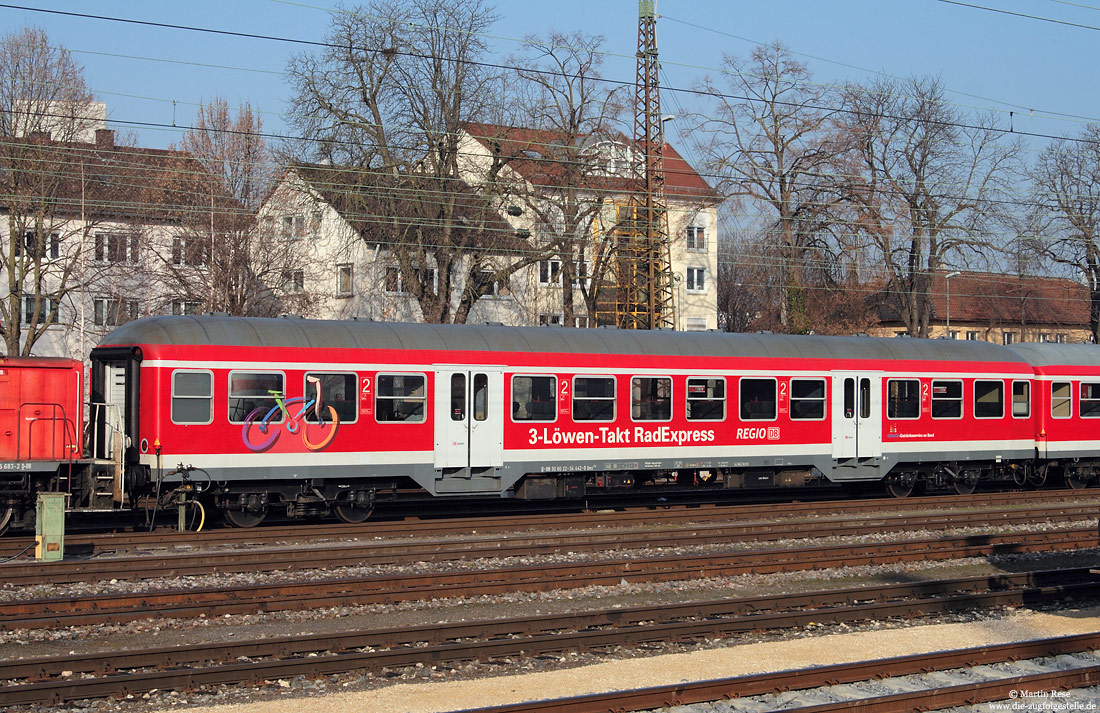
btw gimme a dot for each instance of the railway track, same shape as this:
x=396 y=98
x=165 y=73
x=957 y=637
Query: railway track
x=975 y=663
x=655 y=514
x=359 y=553
x=55 y=680
x=298 y=595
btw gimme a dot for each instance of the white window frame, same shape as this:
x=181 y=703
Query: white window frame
x=696 y=282
x=549 y=272
x=345 y=280
x=695 y=238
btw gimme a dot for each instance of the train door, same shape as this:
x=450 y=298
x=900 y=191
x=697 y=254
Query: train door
x=857 y=415
x=469 y=417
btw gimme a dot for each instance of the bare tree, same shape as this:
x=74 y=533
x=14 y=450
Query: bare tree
x=1066 y=218
x=566 y=159
x=218 y=259
x=44 y=108
x=389 y=96
x=928 y=184
x=231 y=146
x=767 y=137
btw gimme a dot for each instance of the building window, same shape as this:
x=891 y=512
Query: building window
x=488 y=287
x=696 y=239
x=549 y=272
x=547 y=320
x=190 y=251
x=343 y=280
x=395 y=281
x=581 y=322
x=695 y=324
x=696 y=279
x=293 y=226
x=111 y=312
x=186 y=307
x=953 y=334
x=1008 y=338
x=49 y=247
x=971 y=336
x=294 y=281
x=116 y=248
x=48 y=309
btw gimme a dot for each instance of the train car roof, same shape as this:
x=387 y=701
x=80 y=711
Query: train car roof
x=1083 y=354
x=362 y=334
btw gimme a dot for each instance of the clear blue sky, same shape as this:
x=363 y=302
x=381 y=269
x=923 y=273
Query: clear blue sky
x=992 y=60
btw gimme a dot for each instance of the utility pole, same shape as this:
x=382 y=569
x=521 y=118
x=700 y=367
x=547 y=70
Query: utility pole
x=645 y=297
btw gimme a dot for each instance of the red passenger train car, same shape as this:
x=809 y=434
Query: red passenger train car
x=307 y=418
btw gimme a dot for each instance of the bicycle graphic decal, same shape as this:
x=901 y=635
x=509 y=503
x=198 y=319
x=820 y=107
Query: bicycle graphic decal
x=259 y=434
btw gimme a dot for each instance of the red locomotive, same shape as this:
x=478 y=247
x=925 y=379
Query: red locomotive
x=308 y=418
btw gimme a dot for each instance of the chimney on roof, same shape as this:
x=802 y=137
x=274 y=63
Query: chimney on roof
x=105 y=138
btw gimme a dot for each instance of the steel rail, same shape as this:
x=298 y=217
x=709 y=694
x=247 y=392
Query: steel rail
x=654 y=513
x=217 y=601
x=352 y=554
x=88 y=676
x=819 y=676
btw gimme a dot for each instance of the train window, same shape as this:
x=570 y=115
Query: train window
x=807 y=399
x=651 y=398
x=865 y=398
x=594 y=398
x=758 y=400
x=335 y=390
x=1021 y=399
x=706 y=399
x=903 y=398
x=533 y=398
x=400 y=398
x=192 y=396
x=481 y=397
x=849 y=398
x=989 y=399
x=1061 y=399
x=947 y=399
x=255 y=391
x=1089 y=404
x=458 y=397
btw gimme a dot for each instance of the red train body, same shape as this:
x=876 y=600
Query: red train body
x=315 y=417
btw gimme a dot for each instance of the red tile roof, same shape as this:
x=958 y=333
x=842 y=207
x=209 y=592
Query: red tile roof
x=536 y=154
x=987 y=298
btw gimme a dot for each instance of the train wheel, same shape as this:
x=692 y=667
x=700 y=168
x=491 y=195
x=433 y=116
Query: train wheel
x=5 y=518
x=352 y=514
x=901 y=486
x=962 y=486
x=244 y=518
x=1075 y=480
x=965 y=482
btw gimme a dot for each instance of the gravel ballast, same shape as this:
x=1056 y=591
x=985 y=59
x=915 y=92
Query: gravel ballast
x=810 y=650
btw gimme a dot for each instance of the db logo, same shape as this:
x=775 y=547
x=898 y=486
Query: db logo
x=773 y=434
